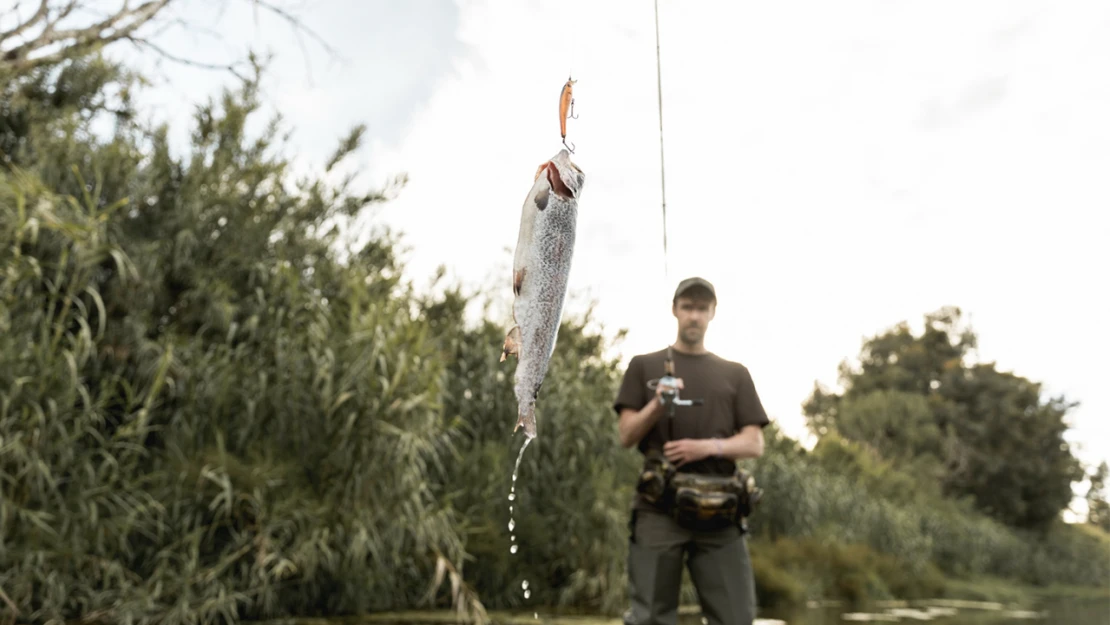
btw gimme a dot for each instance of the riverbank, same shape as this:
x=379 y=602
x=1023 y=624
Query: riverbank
x=963 y=602
x=1084 y=609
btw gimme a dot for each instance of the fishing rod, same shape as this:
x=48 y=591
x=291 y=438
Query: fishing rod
x=670 y=398
x=662 y=174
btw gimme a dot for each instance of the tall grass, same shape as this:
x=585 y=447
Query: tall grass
x=193 y=433
x=842 y=494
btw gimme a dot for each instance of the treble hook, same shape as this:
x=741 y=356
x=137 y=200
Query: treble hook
x=568 y=147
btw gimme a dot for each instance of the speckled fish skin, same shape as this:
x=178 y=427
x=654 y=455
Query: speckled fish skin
x=541 y=268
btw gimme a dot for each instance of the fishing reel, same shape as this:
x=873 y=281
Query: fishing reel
x=670 y=397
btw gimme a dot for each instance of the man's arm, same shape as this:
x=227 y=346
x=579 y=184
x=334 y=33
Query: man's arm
x=635 y=424
x=747 y=443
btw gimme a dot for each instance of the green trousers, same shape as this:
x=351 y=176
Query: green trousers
x=719 y=566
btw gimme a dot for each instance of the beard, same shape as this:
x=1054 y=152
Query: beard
x=692 y=334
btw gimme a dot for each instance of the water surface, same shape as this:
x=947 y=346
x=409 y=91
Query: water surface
x=1055 y=611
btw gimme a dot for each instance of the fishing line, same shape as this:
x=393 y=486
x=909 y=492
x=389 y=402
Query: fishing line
x=662 y=175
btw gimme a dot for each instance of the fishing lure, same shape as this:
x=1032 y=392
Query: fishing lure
x=566 y=105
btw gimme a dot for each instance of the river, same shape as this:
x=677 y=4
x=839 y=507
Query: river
x=1063 y=612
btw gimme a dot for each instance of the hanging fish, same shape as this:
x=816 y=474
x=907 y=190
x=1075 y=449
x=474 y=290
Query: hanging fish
x=566 y=110
x=541 y=268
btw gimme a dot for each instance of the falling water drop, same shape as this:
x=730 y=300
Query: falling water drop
x=512 y=522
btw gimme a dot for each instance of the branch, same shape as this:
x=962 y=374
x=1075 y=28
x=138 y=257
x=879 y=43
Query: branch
x=296 y=23
x=11 y=604
x=41 y=40
x=143 y=43
x=77 y=41
x=34 y=19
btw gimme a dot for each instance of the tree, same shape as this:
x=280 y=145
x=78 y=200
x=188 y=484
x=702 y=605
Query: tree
x=1098 y=506
x=992 y=435
x=56 y=31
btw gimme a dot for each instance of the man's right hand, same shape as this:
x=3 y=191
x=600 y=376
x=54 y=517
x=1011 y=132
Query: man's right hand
x=635 y=424
x=661 y=388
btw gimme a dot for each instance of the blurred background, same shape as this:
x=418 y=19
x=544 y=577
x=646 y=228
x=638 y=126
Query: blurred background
x=256 y=263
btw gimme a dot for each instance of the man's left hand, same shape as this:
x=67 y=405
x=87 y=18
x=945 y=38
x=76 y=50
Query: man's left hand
x=687 y=450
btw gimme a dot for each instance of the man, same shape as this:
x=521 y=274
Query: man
x=708 y=439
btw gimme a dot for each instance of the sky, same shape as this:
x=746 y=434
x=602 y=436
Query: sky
x=833 y=168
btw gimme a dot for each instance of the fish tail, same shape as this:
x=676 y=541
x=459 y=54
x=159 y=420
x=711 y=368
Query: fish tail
x=526 y=416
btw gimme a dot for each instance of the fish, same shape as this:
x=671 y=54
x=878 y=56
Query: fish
x=541 y=270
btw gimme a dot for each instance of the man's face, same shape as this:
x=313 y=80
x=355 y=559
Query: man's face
x=693 y=314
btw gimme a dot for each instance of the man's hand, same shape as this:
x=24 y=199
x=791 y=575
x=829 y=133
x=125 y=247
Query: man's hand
x=660 y=388
x=635 y=424
x=688 y=450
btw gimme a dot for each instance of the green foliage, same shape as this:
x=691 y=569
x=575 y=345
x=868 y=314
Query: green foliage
x=1098 y=506
x=204 y=415
x=971 y=427
x=791 y=571
x=843 y=493
x=574 y=483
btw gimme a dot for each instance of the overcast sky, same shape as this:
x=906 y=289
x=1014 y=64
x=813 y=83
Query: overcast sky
x=834 y=168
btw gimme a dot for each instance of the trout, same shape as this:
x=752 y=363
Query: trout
x=541 y=268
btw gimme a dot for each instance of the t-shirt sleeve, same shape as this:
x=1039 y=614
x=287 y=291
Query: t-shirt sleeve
x=749 y=408
x=633 y=390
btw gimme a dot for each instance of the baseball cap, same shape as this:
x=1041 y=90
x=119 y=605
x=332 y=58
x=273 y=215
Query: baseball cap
x=690 y=283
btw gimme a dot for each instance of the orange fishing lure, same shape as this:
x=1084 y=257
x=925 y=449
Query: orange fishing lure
x=566 y=110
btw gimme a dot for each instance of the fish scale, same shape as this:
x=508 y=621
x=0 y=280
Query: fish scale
x=541 y=271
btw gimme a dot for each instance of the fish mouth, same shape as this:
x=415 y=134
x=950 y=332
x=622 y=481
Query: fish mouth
x=556 y=181
x=564 y=176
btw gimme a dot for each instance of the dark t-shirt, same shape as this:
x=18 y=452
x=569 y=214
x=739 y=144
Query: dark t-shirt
x=730 y=403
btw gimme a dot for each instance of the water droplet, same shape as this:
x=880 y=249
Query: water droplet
x=511 y=525
x=524 y=584
x=511 y=496
x=512 y=549
x=513 y=538
x=527 y=593
x=535 y=615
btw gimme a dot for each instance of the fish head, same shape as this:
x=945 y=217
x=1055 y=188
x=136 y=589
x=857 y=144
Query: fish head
x=565 y=178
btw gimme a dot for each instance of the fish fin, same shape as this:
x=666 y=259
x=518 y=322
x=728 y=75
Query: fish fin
x=512 y=344
x=526 y=416
x=518 y=280
x=541 y=199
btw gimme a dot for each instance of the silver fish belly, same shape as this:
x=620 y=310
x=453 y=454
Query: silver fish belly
x=541 y=269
